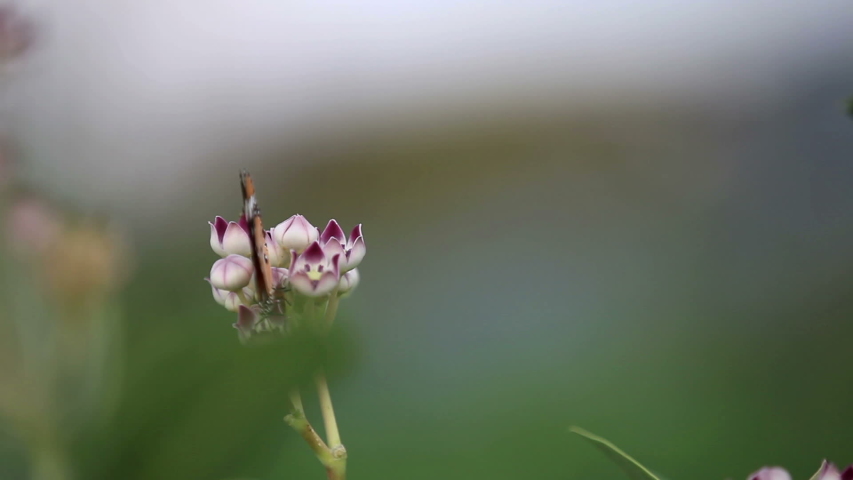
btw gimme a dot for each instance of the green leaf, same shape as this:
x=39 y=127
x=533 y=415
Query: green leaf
x=631 y=467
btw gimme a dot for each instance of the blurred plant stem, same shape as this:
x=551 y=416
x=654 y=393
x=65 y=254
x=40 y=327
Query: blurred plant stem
x=332 y=308
x=328 y=411
x=332 y=455
x=48 y=461
x=296 y=400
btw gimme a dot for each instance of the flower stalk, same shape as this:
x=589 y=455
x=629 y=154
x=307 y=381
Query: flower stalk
x=310 y=271
x=328 y=411
x=331 y=453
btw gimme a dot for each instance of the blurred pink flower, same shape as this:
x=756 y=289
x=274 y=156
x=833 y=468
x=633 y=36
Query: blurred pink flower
x=16 y=33
x=32 y=226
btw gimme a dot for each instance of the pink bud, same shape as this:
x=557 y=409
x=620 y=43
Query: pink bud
x=231 y=273
x=230 y=237
x=295 y=233
x=348 y=282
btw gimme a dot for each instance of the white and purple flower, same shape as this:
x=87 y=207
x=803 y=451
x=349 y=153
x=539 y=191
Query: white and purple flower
x=295 y=233
x=228 y=238
x=314 y=273
x=352 y=248
x=232 y=273
x=304 y=262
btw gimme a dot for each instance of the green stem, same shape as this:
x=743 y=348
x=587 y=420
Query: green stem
x=296 y=400
x=334 y=459
x=333 y=455
x=298 y=422
x=333 y=435
x=328 y=411
x=332 y=308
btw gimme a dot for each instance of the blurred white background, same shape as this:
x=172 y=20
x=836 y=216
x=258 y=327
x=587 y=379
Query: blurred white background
x=127 y=100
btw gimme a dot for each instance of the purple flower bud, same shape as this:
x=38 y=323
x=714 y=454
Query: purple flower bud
x=313 y=273
x=228 y=238
x=355 y=248
x=348 y=282
x=771 y=473
x=231 y=273
x=352 y=250
x=333 y=230
x=295 y=233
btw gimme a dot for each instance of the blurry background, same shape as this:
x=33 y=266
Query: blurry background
x=630 y=216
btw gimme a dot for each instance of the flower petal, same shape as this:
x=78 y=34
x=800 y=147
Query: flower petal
x=333 y=230
x=336 y=266
x=218 y=295
x=771 y=473
x=279 y=276
x=348 y=282
x=216 y=238
x=233 y=302
x=827 y=471
x=295 y=233
x=246 y=318
x=356 y=254
x=313 y=255
x=244 y=224
x=300 y=282
x=328 y=282
x=236 y=240
x=333 y=247
x=353 y=235
x=278 y=256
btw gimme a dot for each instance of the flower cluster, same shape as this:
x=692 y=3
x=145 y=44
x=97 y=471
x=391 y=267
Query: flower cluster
x=827 y=471
x=305 y=263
